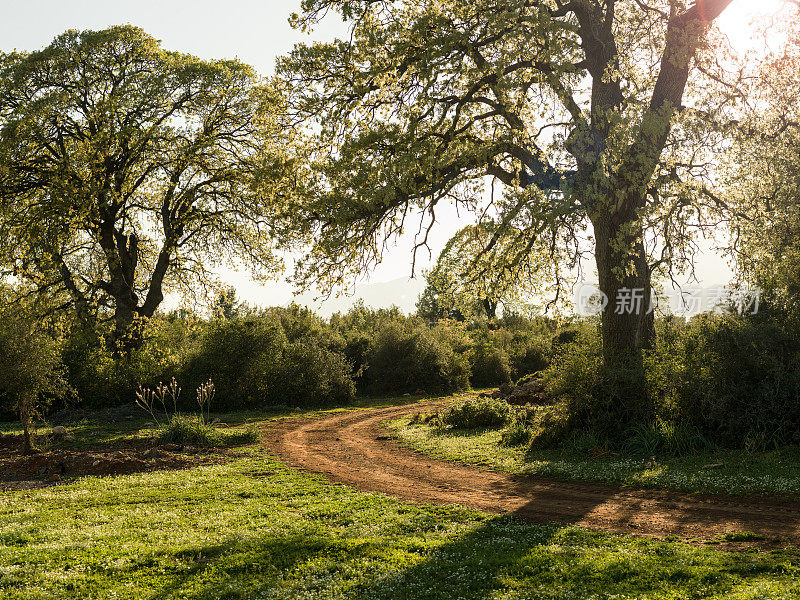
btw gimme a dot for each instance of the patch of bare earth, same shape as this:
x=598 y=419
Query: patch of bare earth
x=20 y=471
x=354 y=448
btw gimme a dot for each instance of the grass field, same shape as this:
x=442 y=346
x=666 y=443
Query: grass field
x=253 y=528
x=772 y=473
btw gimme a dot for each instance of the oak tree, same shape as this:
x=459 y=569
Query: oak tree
x=764 y=178
x=126 y=171
x=462 y=284
x=597 y=116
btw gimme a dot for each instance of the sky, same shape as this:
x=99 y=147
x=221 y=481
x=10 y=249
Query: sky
x=256 y=32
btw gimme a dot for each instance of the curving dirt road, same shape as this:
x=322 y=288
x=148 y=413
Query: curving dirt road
x=353 y=448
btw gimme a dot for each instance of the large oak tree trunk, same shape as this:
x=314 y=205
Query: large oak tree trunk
x=628 y=317
x=624 y=277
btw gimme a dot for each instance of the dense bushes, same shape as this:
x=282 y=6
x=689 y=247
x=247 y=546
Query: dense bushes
x=735 y=379
x=490 y=365
x=291 y=356
x=410 y=357
x=102 y=380
x=478 y=412
x=269 y=359
x=717 y=379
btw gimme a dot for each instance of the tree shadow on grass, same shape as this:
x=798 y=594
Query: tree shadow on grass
x=500 y=556
x=241 y=569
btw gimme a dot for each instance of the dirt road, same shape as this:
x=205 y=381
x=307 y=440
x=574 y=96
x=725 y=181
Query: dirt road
x=354 y=448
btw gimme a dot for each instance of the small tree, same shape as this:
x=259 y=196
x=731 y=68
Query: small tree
x=30 y=370
x=464 y=281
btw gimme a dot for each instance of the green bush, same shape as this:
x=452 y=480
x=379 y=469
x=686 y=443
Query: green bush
x=518 y=433
x=719 y=379
x=314 y=375
x=409 y=357
x=489 y=366
x=101 y=380
x=31 y=373
x=254 y=364
x=478 y=412
x=735 y=379
x=528 y=353
x=591 y=398
x=188 y=431
x=663 y=437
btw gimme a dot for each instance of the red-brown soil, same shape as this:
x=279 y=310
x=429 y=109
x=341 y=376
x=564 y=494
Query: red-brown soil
x=19 y=471
x=354 y=448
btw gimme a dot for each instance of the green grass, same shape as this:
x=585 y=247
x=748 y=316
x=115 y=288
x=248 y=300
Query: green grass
x=192 y=431
x=773 y=473
x=253 y=528
x=92 y=434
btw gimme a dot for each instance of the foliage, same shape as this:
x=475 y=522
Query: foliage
x=489 y=365
x=763 y=182
x=719 y=379
x=128 y=170
x=31 y=374
x=736 y=379
x=477 y=412
x=589 y=115
x=523 y=426
x=460 y=285
x=188 y=430
x=102 y=379
x=406 y=357
x=255 y=363
x=518 y=433
x=661 y=438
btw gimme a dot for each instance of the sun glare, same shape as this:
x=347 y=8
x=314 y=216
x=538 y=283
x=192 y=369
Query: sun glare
x=746 y=21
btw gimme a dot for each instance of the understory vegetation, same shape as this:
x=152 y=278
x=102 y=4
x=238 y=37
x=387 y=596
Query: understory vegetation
x=714 y=380
x=279 y=357
x=584 y=458
x=717 y=380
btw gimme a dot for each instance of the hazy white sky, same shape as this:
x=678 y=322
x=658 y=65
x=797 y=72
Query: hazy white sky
x=256 y=32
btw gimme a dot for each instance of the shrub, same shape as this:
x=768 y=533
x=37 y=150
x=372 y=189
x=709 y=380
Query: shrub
x=188 y=431
x=405 y=358
x=528 y=353
x=489 y=366
x=312 y=374
x=735 y=379
x=663 y=437
x=254 y=364
x=478 y=412
x=591 y=397
x=30 y=369
x=719 y=379
x=522 y=427
x=517 y=433
x=243 y=357
x=100 y=379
